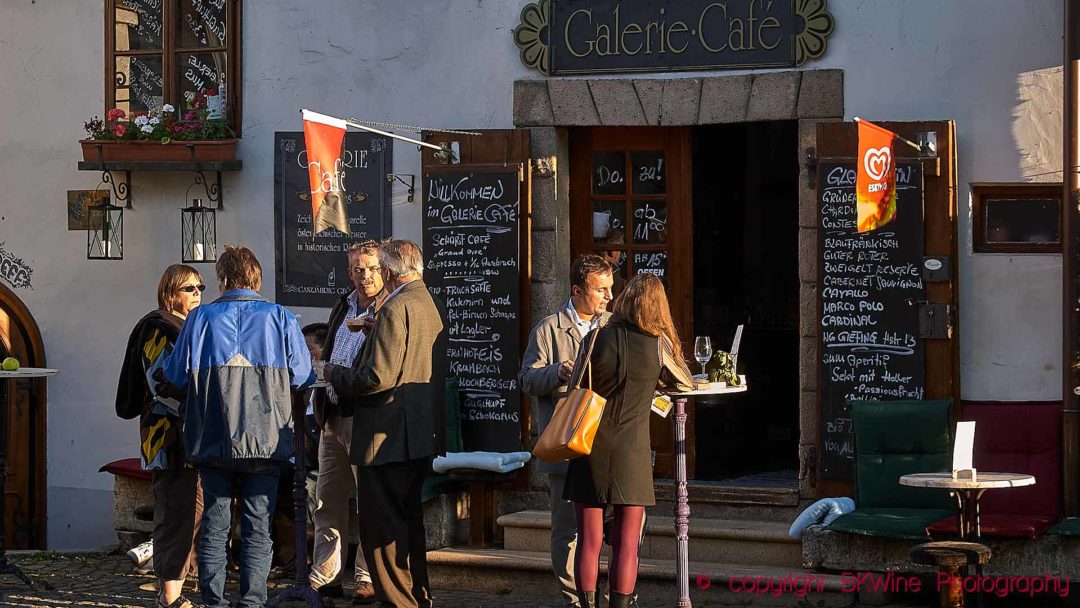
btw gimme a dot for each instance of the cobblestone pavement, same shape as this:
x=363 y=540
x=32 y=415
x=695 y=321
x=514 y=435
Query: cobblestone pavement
x=106 y=580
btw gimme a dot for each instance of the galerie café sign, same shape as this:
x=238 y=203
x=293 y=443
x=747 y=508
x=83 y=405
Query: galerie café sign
x=579 y=36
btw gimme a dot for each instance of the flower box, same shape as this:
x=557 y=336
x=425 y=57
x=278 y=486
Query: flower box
x=106 y=150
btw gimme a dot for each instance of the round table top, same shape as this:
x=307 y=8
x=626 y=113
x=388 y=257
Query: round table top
x=982 y=480
x=29 y=372
x=727 y=390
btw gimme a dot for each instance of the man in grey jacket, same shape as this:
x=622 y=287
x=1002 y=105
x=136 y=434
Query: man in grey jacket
x=545 y=370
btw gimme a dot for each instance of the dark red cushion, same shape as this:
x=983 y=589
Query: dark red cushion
x=1018 y=437
x=127 y=467
x=998 y=524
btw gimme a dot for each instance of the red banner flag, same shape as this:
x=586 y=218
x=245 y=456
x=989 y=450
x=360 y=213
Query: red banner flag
x=875 y=181
x=323 y=136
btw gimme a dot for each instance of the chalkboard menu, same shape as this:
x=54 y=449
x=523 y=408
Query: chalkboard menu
x=471 y=227
x=312 y=270
x=870 y=287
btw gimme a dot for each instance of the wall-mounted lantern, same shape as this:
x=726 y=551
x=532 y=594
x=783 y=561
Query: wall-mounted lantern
x=198 y=236
x=105 y=235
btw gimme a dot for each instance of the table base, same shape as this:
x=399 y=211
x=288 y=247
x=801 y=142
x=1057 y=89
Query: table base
x=7 y=567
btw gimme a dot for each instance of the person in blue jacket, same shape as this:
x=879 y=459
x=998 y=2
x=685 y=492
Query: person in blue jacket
x=240 y=358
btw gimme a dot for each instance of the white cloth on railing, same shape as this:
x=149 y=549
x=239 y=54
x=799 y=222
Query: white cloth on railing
x=823 y=511
x=497 y=462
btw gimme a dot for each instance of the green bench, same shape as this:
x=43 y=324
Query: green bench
x=894 y=438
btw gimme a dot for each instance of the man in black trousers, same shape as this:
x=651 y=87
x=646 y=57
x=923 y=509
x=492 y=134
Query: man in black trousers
x=396 y=391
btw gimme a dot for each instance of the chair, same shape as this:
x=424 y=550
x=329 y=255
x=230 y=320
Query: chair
x=1015 y=437
x=894 y=438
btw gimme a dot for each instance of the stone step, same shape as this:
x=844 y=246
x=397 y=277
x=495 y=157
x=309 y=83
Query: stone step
x=527 y=574
x=711 y=540
x=715 y=499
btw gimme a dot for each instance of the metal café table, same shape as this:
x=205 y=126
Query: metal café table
x=682 y=504
x=9 y=379
x=968 y=492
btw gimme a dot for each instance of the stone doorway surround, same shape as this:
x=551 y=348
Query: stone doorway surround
x=548 y=107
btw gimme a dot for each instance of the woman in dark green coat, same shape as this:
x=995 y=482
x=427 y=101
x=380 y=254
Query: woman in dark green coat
x=625 y=369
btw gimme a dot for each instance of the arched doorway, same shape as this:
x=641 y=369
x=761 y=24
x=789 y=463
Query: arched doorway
x=24 y=402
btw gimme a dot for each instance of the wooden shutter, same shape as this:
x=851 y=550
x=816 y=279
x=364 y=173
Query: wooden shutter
x=838 y=141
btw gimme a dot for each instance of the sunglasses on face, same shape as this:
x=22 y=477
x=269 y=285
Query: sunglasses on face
x=192 y=288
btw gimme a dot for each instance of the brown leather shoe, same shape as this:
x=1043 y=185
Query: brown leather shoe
x=364 y=594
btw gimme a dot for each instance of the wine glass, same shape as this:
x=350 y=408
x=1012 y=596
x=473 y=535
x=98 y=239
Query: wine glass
x=702 y=350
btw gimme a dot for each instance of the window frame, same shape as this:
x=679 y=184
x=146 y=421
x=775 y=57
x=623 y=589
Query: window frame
x=983 y=191
x=169 y=52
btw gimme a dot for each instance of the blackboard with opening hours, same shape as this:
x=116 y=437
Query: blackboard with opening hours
x=870 y=285
x=312 y=269
x=471 y=231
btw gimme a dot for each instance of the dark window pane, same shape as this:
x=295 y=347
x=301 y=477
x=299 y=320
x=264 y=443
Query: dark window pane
x=138 y=25
x=138 y=84
x=654 y=262
x=650 y=222
x=201 y=72
x=649 y=169
x=609 y=222
x=617 y=259
x=1023 y=220
x=202 y=23
x=609 y=173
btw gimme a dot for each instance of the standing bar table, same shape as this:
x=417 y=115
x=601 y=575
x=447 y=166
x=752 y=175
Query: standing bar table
x=9 y=379
x=300 y=589
x=682 y=504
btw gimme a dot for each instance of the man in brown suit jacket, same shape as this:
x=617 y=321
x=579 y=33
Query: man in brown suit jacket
x=396 y=389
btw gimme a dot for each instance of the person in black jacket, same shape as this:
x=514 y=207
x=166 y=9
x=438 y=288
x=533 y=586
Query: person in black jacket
x=626 y=367
x=177 y=493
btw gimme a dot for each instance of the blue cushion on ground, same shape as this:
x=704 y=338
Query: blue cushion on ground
x=887 y=522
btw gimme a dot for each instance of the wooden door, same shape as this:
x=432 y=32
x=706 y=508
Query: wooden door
x=838 y=142
x=500 y=150
x=23 y=428
x=630 y=202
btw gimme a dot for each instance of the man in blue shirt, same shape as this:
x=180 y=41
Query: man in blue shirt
x=240 y=358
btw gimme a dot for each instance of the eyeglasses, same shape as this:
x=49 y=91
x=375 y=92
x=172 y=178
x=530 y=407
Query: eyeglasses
x=192 y=288
x=361 y=269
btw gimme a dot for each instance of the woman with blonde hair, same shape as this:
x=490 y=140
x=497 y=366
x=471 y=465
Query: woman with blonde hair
x=626 y=369
x=177 y=493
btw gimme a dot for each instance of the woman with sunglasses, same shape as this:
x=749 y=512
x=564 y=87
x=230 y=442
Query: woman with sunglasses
x=177 y=493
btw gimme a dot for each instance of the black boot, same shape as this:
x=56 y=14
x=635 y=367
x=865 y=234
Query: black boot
x=619 y=600
x=587 y=599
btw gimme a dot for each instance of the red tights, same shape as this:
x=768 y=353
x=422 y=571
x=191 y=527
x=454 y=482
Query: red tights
x=624 y=536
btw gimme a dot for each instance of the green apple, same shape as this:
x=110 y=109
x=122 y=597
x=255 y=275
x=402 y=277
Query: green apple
x=10 y=364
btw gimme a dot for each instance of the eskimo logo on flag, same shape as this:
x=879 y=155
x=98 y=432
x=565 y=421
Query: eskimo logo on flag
x=875 y=181
x=323 y=136
x=877 y=161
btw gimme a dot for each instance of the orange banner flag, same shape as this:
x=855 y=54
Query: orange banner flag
x=323 y=136
x=875 y=181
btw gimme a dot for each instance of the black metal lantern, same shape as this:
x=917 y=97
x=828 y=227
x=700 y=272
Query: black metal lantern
x=105 y=235
x=198 y=236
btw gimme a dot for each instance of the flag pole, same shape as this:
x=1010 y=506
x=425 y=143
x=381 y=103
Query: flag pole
x=896 y=135
x=387 y=134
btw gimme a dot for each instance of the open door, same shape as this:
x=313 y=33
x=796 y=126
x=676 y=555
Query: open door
x=23 y=404
x=887 y=316
x=476 y=211
x=630 y=202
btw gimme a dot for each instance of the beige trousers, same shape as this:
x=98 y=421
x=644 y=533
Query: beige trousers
x=334 y=512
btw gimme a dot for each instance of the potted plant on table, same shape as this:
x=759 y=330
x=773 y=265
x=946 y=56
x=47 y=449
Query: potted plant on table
x=162 y=134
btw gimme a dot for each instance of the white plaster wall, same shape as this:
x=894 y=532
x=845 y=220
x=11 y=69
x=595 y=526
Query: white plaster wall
x=452 y=63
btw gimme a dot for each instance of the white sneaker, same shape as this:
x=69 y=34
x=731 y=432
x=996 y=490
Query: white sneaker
x=142 y=553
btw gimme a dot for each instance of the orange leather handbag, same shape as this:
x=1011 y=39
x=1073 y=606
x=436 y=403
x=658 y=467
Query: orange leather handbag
x=577 y=415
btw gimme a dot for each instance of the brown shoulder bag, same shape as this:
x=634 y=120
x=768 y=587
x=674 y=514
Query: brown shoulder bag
x=577 y=415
